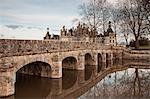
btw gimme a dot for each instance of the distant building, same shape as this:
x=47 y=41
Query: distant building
x=80 y=33
x=51 y=37
x=83 y=33
x=110 y=36
x=47 y=36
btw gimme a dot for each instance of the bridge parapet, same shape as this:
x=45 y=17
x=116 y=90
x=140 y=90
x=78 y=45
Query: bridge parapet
x=25 y=47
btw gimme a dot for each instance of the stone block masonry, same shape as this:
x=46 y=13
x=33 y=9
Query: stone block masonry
x=26 y=47
x=15 y=54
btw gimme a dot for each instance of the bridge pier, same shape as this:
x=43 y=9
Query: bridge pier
x=7 y=83
x=120 y=55
x=111 y=59
x=103 y=61
x=95 y=64
x=56 y=70
x=95 y=61
x=80 y=63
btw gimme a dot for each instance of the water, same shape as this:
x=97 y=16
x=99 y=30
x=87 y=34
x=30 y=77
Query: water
x=120 y=85
x=82 y=85
x=35 y=87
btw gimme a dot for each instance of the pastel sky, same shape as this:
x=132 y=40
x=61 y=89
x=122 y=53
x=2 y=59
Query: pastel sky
x=28 y=19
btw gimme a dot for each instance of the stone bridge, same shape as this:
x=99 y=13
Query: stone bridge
x=49 y=58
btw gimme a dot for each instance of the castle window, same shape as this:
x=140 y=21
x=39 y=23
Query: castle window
x=110 y=41
x=113 y=41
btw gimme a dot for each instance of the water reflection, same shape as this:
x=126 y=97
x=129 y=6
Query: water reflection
x=32 y=86
x=88 y=71
x=122 y=85
x=29 y=86
x=69 y=78
x=84 y=84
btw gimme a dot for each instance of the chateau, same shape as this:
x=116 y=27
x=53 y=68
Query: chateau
x=84 y=34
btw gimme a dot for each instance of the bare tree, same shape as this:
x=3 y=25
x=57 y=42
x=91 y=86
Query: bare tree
x=132 y=15
x=125 y=31
x=136 y=17
x=95 y=13
x=115 y=17
x=146 y=7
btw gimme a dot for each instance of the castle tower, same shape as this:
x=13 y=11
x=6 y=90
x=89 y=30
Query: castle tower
x=47 y=36
x=63 y=32
x=110 y=36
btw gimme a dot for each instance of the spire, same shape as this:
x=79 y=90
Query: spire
x=48 y=36
x=109 y=24
x=47 y=30
x=109 y=30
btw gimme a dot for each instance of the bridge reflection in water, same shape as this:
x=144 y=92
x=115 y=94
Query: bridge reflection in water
x=120 y=85
x=72 y=84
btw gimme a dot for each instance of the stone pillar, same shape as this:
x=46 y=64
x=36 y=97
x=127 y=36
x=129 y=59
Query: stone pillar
x=103 y=61
x=7 y=83
x=120 y=54
x=111 y=59
x=80 y=62
x=56 y=69
x=95 y=63
x=56 y=66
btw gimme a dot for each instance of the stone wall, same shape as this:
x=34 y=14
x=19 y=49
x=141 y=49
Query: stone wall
x=143 y=56
x=25 y=47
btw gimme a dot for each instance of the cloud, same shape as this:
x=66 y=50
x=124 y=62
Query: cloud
x=29 y=27
x=34 y=16
x=13 y=26
x=45 y=18
x=33 y=27
x=38 y=19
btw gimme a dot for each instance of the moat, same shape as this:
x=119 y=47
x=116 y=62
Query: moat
x=112 y=86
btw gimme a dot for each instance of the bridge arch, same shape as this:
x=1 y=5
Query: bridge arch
x=88 y=59
x=69 y=62
x=89 y=62
x=22 y=61
x=69 y=76
x=38 y=68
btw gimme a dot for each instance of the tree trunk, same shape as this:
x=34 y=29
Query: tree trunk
x=137 y=44
x=126 y=42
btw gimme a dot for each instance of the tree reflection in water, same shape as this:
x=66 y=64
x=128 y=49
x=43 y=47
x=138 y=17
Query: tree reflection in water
x=130 y=83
